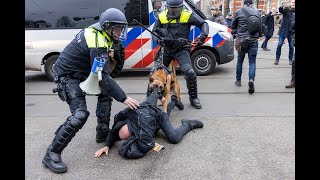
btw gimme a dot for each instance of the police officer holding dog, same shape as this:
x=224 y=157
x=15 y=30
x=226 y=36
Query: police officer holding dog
x=176 y=22
x=72 y=67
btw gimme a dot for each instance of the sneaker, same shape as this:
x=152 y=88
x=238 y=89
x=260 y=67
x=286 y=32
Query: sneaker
x=238 y=83
x=251 y=87
x=193 y=124
x=276 y=62
x=177 y=103
x=266 y=49
x=290 y=62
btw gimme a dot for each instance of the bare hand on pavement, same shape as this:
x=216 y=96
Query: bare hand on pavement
x=101 y=151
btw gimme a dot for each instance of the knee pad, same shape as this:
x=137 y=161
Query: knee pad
x=190 y=74
x=78 y=118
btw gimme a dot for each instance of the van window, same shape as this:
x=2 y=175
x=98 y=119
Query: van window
x=132 y=9
x=44 y=14
x=71 y=14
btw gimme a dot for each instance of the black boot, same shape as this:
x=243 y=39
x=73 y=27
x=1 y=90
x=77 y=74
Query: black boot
x=102 y=129
x=52 y=158
x=193 y=93
x=53 y=161
x=192 y=123
x=177 y=103
x=64 y=134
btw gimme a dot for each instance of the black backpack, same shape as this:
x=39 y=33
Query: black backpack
x=254 y=23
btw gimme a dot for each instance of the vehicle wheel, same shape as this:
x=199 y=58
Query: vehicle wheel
x=203 y=61
x=48 y=66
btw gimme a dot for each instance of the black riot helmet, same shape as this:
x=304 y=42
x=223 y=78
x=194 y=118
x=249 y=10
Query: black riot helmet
x=113 y=22
x=174 y=8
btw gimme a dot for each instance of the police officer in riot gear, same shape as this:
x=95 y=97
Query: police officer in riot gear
x=74 y=66
x=138 y=127
x=116 y=64
x=177 y=21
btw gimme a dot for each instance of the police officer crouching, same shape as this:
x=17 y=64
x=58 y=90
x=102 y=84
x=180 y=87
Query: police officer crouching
x=176 y=22
x=72 y=67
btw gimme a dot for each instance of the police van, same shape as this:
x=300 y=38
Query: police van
x=50 y=26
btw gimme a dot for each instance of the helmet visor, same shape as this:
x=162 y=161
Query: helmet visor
x=116 y=30
x=174 y=12
x=120 y=31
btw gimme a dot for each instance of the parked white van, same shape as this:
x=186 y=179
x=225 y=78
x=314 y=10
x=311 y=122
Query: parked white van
x=50 y=26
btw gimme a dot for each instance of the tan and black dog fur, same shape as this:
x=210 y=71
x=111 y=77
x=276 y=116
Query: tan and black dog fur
x=168 y=83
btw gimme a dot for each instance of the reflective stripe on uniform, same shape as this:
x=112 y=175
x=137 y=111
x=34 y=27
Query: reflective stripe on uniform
x=184 y=17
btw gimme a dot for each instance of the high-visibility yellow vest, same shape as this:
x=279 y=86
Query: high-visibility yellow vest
x=104 y=40
x=184 y=17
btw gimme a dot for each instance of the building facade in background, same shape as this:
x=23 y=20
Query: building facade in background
x=233 y=5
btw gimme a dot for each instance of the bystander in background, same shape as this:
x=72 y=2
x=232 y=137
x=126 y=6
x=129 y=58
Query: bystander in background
x=229 y=19
x=269 y=22
x=217 y=16
x=288 y=14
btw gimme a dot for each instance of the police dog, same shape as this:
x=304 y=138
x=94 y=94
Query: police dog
x=166 y=80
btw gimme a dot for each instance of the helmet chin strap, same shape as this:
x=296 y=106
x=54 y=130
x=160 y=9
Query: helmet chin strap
x=111 y=33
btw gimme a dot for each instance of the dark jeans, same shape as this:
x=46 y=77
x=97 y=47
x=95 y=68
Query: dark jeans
x=252 y=55
x=174 y=135
x=280 y=43
x=293 y=69
x=265 y=42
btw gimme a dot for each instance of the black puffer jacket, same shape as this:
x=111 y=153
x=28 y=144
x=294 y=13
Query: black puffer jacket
x=143 y=123
x=239 y=24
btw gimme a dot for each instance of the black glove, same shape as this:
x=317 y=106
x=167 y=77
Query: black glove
x=234 y=36
x=160 y=41
x=200 y=41
x=165 y=41
x=112 y=75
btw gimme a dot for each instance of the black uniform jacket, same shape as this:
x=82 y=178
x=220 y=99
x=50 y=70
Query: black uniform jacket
x=76 y=60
